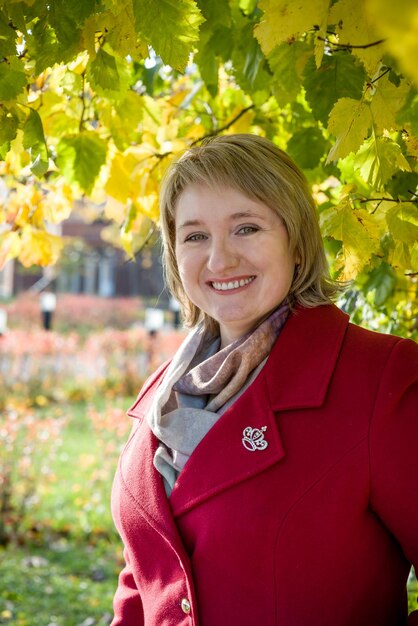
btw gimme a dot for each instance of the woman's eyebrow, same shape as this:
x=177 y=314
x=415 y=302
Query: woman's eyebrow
x=188 y=223
x=234 y=216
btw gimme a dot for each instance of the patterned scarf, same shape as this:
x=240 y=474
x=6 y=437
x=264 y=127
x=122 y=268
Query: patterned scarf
x=200 y=382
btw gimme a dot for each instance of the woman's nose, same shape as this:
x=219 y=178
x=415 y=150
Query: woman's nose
x=222 y=257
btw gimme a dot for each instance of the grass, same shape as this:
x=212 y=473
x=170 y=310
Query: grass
x=64 y=570
x=68 y=583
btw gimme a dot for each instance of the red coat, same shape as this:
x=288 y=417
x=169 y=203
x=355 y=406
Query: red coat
x=319 y=528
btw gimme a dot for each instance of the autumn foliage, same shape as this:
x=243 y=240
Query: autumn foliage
x=97 y=97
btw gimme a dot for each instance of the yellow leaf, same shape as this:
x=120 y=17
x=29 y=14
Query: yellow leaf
x=357 y=231
x=414 y=257
x=378 y=159
x=387 y=100
x=10 y=246
x=119 y=180
x=78 y=66
x=411 y=143
x=319 y=46
x=57 y=203
x=349 y=121
x=356 y=28
x=398 y=24
x=285 y=20
x=243 y=123
x=39 y=247
x=400 y=256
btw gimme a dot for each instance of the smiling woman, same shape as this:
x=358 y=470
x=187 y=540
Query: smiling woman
x=280 y=441
x=233 y=256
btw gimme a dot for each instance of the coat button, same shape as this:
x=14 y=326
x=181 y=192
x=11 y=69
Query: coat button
x=185 y=606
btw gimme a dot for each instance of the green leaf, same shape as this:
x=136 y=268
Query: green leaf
x=8 y=125
x=382 y=281
x=7 y=37
x=250 y=66
x=340 y=75
x=12 y=79
x=215 y=12
x=34 y=141
x=103 y=71
x=287 y=62
x=378 y=159
x=67 y=19
x=307 y=147
x=45 y=49
x=80 y=158
x=349 y=121
x=402 y=221
x=408 y=115
x=171 y=27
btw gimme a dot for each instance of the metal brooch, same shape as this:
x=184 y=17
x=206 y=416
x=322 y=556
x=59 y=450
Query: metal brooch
x=253 y=438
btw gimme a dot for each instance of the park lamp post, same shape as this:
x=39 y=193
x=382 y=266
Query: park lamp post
x=48 y=303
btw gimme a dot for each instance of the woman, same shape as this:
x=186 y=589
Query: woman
x=271 y=476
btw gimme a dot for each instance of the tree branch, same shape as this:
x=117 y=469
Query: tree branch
x=412 y=200
x=225 y=127
x=83 y=103
x=349 y=46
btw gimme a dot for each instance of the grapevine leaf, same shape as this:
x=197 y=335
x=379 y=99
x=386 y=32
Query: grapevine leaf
x=285 y=20
x=349 y=121
x=171 y=27
x=378 y=159
x=307 y=147
x=12 y=79
x=80 y=158
x=355 y=28
x=340 y=76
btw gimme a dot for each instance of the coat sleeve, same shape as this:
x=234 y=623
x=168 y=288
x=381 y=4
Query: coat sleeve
x=127 y=605
x=394 y=451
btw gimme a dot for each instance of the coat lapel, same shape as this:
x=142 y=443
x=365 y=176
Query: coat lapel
x=246 y=439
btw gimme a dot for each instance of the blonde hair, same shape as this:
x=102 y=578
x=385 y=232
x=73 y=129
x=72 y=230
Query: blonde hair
x=257 y=168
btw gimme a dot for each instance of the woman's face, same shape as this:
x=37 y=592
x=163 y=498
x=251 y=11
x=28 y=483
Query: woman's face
x=233 y=256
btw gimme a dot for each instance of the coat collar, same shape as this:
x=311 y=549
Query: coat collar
x=304 y=358
x=296 y=375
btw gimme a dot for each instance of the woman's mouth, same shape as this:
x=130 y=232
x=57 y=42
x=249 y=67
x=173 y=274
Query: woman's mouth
x=232 y=284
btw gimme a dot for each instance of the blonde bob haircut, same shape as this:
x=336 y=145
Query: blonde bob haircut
x=257 y=168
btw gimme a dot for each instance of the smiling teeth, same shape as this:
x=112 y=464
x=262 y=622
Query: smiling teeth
x=234 y=284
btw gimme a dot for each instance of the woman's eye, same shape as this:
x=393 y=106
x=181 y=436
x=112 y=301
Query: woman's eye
x=247 y=230
x=195 y=237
